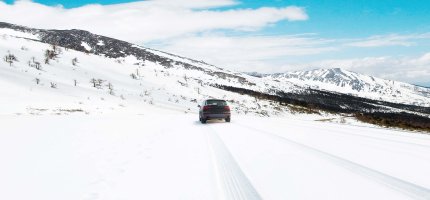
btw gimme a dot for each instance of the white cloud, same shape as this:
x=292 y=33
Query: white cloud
x=145 y=21
x=389 y=40
x=244 y=52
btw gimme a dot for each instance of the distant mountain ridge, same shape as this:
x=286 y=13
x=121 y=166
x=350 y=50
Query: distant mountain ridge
x=347 y=82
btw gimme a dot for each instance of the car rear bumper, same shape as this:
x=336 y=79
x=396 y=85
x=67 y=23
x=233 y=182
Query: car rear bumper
x=216 y=116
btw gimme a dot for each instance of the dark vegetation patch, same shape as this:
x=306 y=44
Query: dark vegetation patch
x=366 y=110
x=400 y=120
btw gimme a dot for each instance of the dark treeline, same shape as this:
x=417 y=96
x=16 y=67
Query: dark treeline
x=401 y=120
x=366 y=110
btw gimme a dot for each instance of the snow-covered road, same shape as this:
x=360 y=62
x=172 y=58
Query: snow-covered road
x=173 y=156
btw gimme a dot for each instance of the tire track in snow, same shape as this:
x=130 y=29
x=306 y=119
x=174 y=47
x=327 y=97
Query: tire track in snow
x=410 y=189
x=233 y=183
x=332 y=131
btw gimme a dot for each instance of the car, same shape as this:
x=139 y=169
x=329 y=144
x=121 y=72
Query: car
x=214 y=109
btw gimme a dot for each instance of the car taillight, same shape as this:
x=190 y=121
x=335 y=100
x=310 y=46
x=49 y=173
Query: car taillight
x=206 y=108
x=226 y=108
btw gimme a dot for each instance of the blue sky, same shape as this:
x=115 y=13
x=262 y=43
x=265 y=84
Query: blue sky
x=329 y=18
x=385 y=38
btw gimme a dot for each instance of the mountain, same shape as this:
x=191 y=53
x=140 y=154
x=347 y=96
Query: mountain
x=138 y=74
x=65 y=71
x=347 y=82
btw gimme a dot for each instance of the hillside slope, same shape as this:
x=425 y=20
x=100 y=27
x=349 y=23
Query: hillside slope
x=65 y=71
x=346 y=82
x=126 y=80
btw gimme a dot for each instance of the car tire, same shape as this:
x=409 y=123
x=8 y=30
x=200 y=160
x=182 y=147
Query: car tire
x=227 y=119
x=203 y=121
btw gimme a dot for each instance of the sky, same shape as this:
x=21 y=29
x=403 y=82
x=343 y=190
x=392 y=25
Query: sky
x=386 y=38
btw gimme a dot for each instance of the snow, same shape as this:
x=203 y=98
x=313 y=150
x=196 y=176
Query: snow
x=143 y=141
x=154 y=84
x=343 y=81
x=14 y=33
x=158 y=155
x=86 y=46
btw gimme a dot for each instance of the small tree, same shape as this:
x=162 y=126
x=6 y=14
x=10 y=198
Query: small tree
x=110 y=87
x=75 y=61
x=100 y=83
x=97 y=83
x=52 y=54
x=94 y=82
x=10 y=58
x=133 y=76
x=53 y=85
x=75 y=82
x=37 y=80
x=37 y=65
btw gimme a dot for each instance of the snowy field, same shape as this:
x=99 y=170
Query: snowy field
x=173 y=156
x=136 y=135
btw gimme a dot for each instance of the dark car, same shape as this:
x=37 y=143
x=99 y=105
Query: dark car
x=214 y=109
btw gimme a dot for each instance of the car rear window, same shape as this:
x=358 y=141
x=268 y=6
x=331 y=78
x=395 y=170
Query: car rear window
x=216 y=102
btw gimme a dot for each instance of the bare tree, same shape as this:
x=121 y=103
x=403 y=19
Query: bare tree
x=75 y=82
x=37 y=65
x=53 y=85
x=75 y=61
x=10 y=58
x=110 y=87
x=52 y=54
x=133 y=76
x=37 y=80
x=97 y=83
x=94 y=82
x=100 y=83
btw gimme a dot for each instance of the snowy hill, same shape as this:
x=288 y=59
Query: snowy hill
x=118 y=121
x=68 y=71
x=346 y=82
x=128 y=76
